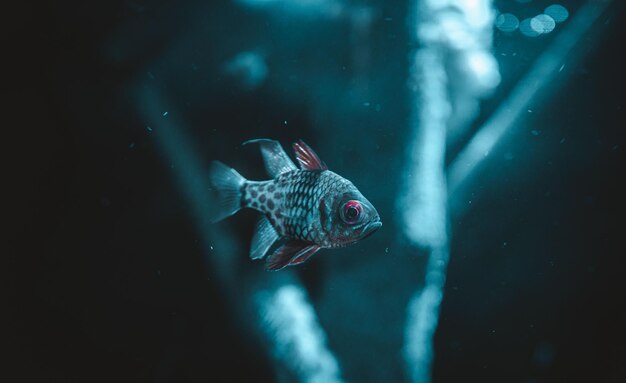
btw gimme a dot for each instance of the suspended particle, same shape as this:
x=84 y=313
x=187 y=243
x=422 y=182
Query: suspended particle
x=507 y=22
x=558 y=12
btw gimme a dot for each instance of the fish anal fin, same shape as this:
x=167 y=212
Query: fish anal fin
x=263 y=238
x=291 y=250
x=276 y=160
x=307 y=158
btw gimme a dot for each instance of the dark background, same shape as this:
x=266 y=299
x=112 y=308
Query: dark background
x=103 y=269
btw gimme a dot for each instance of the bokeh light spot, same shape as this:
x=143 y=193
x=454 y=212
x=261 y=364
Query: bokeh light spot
x=558 y=12
x=542 y=24
x=526 y=30
x=507 y=22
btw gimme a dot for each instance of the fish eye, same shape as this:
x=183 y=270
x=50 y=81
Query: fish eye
x=351 y=213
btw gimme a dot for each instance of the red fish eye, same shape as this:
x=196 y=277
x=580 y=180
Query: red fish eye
x=351 y=212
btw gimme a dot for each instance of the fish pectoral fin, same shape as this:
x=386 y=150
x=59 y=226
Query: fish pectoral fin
x=276 y=160
x=307 y=158
x=291 y=253
x=263 y=238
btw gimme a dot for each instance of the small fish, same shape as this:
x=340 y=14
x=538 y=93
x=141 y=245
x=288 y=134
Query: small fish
x=306 y=209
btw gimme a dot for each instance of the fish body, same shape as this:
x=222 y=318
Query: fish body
x=308 y=208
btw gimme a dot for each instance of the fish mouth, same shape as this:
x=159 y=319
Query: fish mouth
x=370 y=229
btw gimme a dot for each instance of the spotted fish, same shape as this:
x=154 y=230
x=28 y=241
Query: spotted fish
x=303 y=209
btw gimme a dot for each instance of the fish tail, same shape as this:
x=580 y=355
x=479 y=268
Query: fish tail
x=227 y=185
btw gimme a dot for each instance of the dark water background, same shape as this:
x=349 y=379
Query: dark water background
x=105 y=272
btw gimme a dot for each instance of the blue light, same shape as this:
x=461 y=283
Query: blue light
x=558 y=12
x=526 y=29
x=331 y=8
x=482 y=68
x=248 y=68
x=532 y=87
x=542 y=24
x=291 y=322
x=450 y=71
x=507 y=22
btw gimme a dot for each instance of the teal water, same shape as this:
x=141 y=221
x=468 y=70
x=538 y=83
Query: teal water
x=489 y=139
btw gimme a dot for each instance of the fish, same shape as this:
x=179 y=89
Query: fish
x=303 y=209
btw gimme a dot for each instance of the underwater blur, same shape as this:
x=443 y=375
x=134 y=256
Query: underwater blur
x=487 y=136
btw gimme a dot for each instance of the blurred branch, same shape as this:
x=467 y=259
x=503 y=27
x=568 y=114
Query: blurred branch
x=298 y=340
x=536 y=85
x=282 y=314
x=450 y=70
x=425 y=215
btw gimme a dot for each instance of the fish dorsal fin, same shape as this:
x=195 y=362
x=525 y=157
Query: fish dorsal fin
x=263 y=238
x=307 y=158
x=291 y=253
x=276 y=160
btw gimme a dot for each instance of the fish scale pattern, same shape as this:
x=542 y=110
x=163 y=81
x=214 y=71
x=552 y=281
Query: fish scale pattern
x=302 y=199
x=291 y=202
